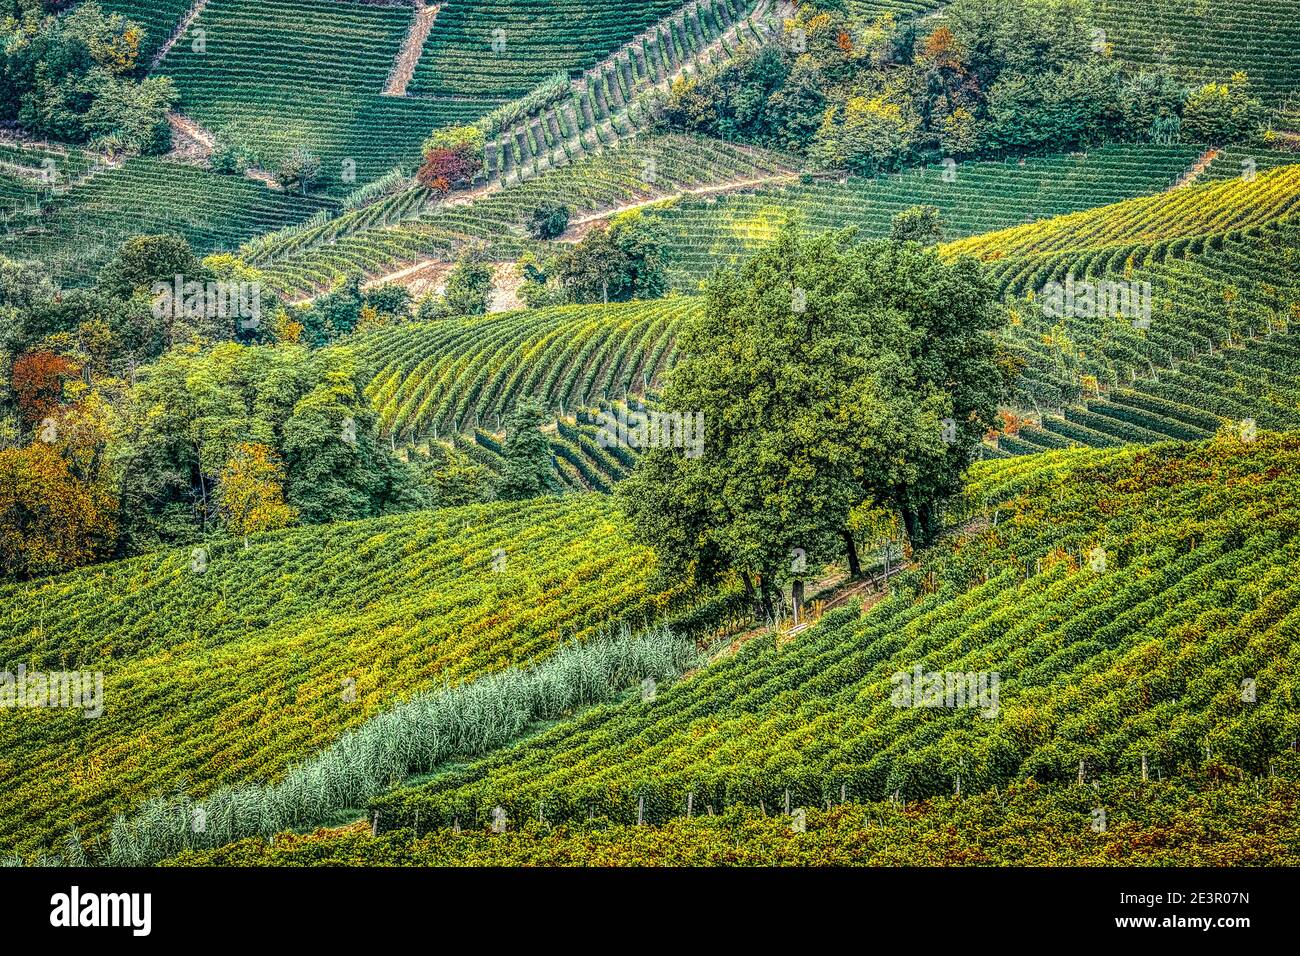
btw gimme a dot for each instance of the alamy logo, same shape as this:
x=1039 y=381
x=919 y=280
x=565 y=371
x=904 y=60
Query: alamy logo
x=1104 y=298
x=208 y=300
x=973 y=689
x=652 y=430
x=55 y=689
x=134 y=910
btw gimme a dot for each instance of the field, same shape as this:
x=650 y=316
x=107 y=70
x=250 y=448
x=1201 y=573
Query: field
x=983 y=197
x=983 y=552
x=1094 y=664
x=323 y=630
x=84 y=226
x=1209 y=42
x=258 y=82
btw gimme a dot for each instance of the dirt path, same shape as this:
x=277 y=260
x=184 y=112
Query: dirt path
x=191 y=143
x=181 y=29
x=412 y=49
x=1200 y=166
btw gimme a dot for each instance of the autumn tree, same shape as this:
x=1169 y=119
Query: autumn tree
x=38 y=379
x=50 y=520
x=252 y=492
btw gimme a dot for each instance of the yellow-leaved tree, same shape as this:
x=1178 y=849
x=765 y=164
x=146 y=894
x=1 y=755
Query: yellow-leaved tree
x=252 y=492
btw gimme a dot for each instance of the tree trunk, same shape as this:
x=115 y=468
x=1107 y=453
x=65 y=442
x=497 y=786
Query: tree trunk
x=765 y=590
x=851 y=546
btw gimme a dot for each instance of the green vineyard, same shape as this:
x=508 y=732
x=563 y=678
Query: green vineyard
x=403 y=228
x=1100 y=669
x=83 y=227
x=1091 y=243
x=452 y=375
x=972 y=198
x=498 y=48
x=1209 y=42
x=272 y=76
x=226 y=665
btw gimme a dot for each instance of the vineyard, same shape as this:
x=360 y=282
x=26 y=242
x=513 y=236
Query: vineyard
x=1221 y=349
x=972 y=198
x=1093 y=242
x=79 y=229
x=505 y=49
x=454 y=374
x=1209 y=42
x=260 y=76
x=1148 y=824
x=324 y=628
x=370 y=582
x=1100 y=670
x=404 y=227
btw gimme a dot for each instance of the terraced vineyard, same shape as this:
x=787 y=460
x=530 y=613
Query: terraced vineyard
x=1164 y=225
x=159 y=18
x=80 y=230
x=1143 y=657
x=1209 y=42
x=403 y=229
x=452 y=375
x=504 y=49
x=709 y=232
x=324 y=627
x=278 y=74
x=1221 y=349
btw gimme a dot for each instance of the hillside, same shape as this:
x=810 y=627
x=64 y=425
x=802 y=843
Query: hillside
x=1143 y=657
x=231 y=673
x=539 y=433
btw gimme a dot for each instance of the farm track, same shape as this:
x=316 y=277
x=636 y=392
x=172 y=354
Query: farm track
x=408 y=58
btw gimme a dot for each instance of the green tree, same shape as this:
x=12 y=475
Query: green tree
x=920 y=224
x=618 y=264
x=527 y=453
x=830 y=375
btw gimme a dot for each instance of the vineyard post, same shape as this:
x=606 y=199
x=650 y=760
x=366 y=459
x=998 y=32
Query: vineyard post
x=374 y=826
x=1080 y=771
x=1144 y=766
x=640 y=810
x=787 y=801
x=842 y=790
x=690 y=804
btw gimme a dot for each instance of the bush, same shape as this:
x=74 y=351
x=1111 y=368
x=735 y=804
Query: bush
x=548 y=220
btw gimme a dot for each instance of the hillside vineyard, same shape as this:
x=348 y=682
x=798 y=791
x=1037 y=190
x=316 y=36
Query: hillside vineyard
x=536 y=433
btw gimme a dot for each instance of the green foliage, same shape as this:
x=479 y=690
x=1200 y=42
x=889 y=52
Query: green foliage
x=1194 y=822
x=1102 y=664
x=548 y=220
x=920 y=224
x=527 y=454
x=821 y=375
x=1221 y=113
x=70 y=78
x=314 y=631
x=616 y=264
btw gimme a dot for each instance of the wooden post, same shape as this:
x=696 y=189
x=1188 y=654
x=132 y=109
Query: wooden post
x=640 y=811
x=1080 y=771
x=842 y=797
x=1144 y=767
x=787 y=801
x=690 y=804
x=374 y=826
